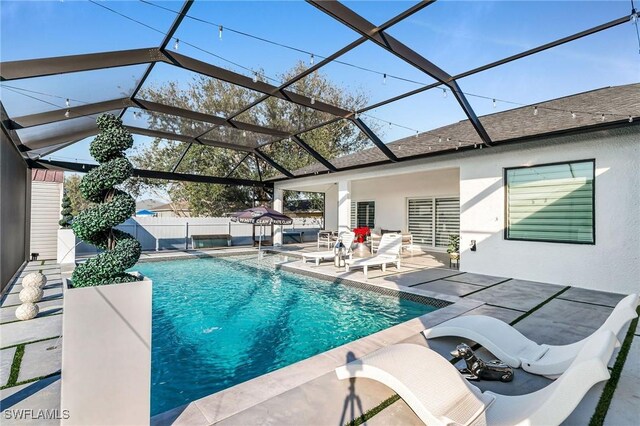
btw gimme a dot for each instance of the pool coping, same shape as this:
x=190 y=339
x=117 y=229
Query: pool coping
x=228 y=402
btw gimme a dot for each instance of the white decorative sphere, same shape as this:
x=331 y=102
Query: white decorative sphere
x=27 y=311
x=34 y=279
x=30 y=294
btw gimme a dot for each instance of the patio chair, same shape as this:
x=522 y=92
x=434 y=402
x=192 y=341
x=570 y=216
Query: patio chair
x=439 y=395
x=317 y=256
x=388 y=252
x=514 y=349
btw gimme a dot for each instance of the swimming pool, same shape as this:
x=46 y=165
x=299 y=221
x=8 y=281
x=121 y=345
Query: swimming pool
x=218 y=322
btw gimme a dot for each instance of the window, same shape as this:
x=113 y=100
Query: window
x=363 y=213
x=432 y=220
x=553 y=202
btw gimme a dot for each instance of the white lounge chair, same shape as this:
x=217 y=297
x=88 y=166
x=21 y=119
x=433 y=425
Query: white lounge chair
x=439 y=395
x=515 y=350
x=317 y=256
x=388 y=252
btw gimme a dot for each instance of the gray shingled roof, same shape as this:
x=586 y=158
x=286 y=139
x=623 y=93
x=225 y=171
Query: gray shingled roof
x=552 y=116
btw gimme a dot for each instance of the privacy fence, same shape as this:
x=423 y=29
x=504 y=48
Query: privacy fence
x=174 y=233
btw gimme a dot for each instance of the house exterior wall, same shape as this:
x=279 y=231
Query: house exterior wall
x=391 y=193
x=46 y=198
x=612 y=264
x=15 y=183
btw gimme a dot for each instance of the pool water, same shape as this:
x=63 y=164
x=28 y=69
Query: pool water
x=218 y=322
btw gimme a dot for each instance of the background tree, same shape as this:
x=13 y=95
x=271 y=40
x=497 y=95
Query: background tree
x=67 y=217
x=72 y=190
x=215 y=97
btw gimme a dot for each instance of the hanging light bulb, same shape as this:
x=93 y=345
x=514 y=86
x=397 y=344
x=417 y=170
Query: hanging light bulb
x=456 y=148
x=67 y=113
x=602 y=117
x=535 y=110
x=390 y=124
x=448 y=139
x=480 y=146
x=176 y=45
x=220 y=32
x=83 y=167
x=573 y=115
x=255 y=77
x=417 y=132
x=459 y=143
x=313 y=100
x=244 y=133
x=444 y=93
x=494 y=103
x=311 y=59
x=384 y=78
x=439 y=139
x=356 y=115
x=475 y=145
x=429 y=147
x=634 y=16
x=67 y=103
x=630 y=119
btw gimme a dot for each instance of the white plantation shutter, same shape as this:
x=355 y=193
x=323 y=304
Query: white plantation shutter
x=447 y=220
x=551 y=203
x=420 y=220
x=353 y=215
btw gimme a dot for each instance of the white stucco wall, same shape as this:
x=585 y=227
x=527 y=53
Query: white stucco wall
x=391 y=193
x=612 y=264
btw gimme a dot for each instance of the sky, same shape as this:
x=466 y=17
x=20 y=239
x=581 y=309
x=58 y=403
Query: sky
x=455 y=35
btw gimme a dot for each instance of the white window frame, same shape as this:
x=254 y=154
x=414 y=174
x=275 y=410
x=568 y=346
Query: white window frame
x=354 y=218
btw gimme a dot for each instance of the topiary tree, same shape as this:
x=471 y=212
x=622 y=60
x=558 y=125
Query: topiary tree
x=96 y=224
x=67 y=217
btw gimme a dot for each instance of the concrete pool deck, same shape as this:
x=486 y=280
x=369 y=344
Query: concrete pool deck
x=308 y=392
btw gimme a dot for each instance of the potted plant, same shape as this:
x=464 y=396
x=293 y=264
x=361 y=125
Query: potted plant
x=454 y=247
x=361 y=236
x=66 y=248
x=106 y=354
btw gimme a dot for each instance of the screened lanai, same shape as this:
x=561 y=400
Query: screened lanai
x=50 y=102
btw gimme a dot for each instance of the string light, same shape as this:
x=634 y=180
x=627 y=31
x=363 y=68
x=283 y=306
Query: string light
x=535 y=110
x=67 y=103
x=244 y=133
x=444 y=93
x=220 y=32
x=313 y=100
x=311 y=59
x=448 y=139
x=176 y=45
x=384 y=78
x=602 y=118
x=67 y=113
x=439 y=139
x=417 y=133
x=573 y=115
x=255 y=77
x=630 y=119
x=390 y=124
x=356 y=115
x=494 y=103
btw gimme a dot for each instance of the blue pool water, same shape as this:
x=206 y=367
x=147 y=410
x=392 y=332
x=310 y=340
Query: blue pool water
x=218 y=322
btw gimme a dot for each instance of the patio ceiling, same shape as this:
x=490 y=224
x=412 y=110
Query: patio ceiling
x=42 y=133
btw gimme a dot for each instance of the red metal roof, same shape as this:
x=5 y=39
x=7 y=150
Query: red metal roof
x=42 y=175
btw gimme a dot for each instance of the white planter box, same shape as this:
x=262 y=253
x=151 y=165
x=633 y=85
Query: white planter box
x=106 y=354
x=66 y=246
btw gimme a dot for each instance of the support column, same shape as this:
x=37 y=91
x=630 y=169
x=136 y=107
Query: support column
x=344 y=205
x=278 y=195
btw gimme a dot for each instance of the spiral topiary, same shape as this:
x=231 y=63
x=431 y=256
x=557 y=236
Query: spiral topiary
x=95 y=225
x=67 y=217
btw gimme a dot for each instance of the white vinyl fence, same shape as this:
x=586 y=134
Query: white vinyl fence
x=174 y=233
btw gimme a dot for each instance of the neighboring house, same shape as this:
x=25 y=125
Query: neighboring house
x=178 y=209
x=46 y=199
x=555 y=199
